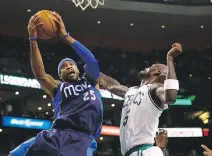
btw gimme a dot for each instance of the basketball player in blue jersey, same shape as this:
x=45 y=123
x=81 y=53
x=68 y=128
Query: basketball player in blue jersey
x=76 y=100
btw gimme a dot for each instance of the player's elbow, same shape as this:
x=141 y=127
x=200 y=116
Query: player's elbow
x=94 y=64
x=95 y=68
x=170 y=96
x=170 y=101
x=40 y=77
x=96 y=74
x=92 y=70
x=38 y=73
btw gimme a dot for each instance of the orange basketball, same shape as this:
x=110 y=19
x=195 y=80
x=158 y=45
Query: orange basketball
x=49 y=29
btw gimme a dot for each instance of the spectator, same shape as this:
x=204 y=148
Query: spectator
x=207 y=151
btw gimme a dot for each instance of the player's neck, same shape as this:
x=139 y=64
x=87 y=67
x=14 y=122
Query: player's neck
x=148 y=81
x=145 y=82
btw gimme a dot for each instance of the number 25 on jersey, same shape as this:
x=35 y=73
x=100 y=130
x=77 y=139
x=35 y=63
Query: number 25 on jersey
x=89 y=95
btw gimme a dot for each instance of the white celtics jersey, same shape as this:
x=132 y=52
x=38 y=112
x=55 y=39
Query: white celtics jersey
x=139 y=118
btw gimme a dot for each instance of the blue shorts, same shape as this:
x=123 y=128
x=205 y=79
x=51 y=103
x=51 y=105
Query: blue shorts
x=23 y=148
x=62 y=143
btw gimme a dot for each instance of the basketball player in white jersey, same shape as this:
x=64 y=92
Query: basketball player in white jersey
x=144 y=104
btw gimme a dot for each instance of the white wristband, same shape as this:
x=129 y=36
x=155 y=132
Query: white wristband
x=171 y=84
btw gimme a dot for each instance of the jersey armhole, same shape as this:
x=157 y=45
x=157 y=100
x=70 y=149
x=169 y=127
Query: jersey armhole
x=153 y=102
x=60 y=85
x=131 y=88
x=92 y=81
x=57 y=99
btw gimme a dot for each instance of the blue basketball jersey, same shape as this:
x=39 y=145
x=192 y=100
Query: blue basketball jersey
x=78 y=106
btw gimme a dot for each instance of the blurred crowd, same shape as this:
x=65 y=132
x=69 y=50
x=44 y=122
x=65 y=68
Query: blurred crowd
x=192 y=66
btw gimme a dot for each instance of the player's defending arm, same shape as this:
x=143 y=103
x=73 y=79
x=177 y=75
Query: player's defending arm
x=91 y=65
x=112 y=85
x=167 y=93
x=46 y=81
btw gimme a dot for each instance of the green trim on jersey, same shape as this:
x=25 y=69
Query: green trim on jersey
x=139 y=148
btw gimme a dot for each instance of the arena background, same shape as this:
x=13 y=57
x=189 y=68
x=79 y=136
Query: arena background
x=125 y=37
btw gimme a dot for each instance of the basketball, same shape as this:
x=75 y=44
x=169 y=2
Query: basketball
x=49 y=29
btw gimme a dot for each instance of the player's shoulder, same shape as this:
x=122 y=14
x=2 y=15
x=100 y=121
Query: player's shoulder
x=132 y=90
x=158 y=84
x=90 y=80
x=133 y=87
x=155 y=86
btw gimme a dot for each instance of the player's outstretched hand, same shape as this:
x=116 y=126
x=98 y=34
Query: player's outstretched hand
x=61 y=27
x=207 y=151
x=32 y=26
x=161 y=139
x=175 y=51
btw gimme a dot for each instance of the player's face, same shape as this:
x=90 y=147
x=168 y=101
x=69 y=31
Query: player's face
x=148 y=72
x=69 y=71
x=144 y=73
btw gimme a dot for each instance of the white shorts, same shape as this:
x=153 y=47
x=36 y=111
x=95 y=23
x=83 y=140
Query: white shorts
x=152 y=151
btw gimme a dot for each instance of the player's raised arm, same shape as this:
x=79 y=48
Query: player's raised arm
x=91 y=65
x=112 y=85
x=168 y=92
x=46 y=81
